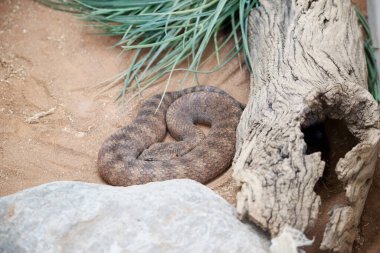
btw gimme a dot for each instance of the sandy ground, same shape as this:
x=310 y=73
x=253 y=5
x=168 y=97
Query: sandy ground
x=50 y=62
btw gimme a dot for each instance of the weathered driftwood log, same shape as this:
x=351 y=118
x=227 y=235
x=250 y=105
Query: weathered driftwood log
x=309 y=80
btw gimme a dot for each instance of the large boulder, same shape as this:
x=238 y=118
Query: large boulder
x=170 y=216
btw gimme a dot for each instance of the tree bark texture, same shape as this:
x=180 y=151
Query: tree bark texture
x=309 y=69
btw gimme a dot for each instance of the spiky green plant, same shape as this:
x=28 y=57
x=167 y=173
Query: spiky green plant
x=164 y=33
x=373 y=74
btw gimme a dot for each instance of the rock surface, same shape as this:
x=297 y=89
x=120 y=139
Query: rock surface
x=170 y=216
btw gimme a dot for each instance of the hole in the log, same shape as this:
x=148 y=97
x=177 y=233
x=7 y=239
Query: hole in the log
x=316 y=139
x=333 y=139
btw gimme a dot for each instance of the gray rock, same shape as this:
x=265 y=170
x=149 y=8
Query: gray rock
x=171 y=216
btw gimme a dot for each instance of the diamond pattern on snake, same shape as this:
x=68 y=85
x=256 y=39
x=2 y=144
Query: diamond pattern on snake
x=135 y=154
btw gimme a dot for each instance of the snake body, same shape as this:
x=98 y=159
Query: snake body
x=134 y=154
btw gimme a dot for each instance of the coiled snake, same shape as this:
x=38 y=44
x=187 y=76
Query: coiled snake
x=133 y=154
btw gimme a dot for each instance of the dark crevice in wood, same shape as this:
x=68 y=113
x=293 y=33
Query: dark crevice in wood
x=310 y=2
x=316 y=139
x=333 y=139
x=340 y=139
